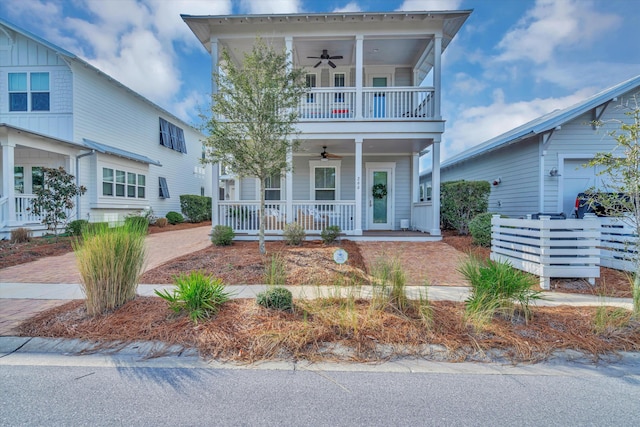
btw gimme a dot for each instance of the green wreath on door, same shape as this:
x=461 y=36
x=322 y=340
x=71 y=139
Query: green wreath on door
x=379 y=191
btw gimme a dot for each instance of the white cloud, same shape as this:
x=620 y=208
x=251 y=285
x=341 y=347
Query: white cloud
x=418 y=5
x=466 y=85
x=270 y=6
x=349 y=7
x=552 y=25
x=475 y=125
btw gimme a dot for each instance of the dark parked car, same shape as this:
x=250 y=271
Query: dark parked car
x=583 y=205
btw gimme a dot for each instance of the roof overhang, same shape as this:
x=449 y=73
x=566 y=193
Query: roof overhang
x=113 y=151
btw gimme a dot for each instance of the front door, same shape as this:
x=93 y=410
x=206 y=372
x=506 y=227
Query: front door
x=379 y=198
x=379 y=107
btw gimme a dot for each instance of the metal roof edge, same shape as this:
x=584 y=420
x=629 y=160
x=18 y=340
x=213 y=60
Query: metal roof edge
x=106 y=149
x=543 y=123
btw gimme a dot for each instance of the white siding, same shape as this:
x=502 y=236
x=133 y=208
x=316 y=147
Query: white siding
x=26 y=55
x=108 y=114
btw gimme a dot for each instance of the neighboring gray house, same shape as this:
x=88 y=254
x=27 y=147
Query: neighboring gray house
x=538 y=167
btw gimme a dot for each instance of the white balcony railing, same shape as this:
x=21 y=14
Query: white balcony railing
x=314 y=216
x=392 y=103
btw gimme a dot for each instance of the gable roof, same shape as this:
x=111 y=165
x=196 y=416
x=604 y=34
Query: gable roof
x=544 y=123
x=72 y=57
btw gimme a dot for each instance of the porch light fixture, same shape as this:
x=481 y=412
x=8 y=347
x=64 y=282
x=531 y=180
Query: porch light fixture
x=497 y=181
x=554 y=172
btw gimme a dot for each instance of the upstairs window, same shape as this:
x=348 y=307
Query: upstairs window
x=272 y=187
x=338 y=81
x=171 y=136
x=29 y=92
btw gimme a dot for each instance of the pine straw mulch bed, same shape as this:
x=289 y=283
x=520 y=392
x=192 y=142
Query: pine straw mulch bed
x=39 y=247
x=241 y=263
x=336 y=330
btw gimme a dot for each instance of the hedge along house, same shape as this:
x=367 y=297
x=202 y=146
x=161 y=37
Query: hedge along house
x=538 y=167
x=363 y=124
x=58 y=110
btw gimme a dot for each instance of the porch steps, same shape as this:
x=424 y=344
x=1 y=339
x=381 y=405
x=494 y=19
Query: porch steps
x=367 y=236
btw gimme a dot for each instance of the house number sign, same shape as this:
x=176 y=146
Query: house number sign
x=340 y=256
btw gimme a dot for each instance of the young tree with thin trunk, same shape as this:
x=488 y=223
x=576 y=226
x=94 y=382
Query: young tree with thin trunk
x=622 y=167
x=254 y=113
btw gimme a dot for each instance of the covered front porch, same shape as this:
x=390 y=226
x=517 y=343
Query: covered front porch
x=334 y=183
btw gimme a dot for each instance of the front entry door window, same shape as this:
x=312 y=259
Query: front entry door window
x=379 y=198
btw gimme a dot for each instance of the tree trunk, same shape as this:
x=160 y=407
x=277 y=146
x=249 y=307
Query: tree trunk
x=263 y=249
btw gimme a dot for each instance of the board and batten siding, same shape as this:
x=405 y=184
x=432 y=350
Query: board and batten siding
x=26 y=55
x=518 y=168
x=107 y=113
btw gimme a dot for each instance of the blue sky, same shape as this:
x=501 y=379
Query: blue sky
x=512 y=61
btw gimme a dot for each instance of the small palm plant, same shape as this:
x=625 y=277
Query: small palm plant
x=199 y=294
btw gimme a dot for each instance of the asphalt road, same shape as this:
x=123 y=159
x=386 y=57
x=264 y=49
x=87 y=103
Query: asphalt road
x=55 y=391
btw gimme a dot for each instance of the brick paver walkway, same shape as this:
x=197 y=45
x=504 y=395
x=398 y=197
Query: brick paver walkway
x=161 y=247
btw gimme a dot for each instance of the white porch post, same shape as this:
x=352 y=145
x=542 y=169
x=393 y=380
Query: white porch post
x=415 y=178
x=8 y=189
x=289 y=186
x=215 y=167
x=359 y=76
x=437 y=76
x=358 y=212
x=435 y=188
x=288 y=41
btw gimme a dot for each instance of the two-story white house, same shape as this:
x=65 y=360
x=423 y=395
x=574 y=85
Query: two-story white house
x=372 y=109
x=58 y=110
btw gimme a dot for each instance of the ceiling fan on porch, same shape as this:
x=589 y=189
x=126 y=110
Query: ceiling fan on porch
x=325 y=59
x=324 y=156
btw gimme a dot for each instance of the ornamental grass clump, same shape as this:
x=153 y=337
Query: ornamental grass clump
x=110 y=261
x=497 y=288
x=389 y=285
x=277 y=298
x=199 y=294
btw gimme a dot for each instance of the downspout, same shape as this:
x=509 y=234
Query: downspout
x=78 y=179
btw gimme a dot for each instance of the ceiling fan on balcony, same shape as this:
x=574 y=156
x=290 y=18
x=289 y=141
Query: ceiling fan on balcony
x=325 y=59
x=324 y=156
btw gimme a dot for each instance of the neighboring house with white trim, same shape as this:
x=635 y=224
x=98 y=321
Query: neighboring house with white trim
x=58 y=110
x=365 y=121
x=538 y=167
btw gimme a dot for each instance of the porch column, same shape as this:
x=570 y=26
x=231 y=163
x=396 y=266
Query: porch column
x=415 y=178
x=8 y=189
x=435 y=188
x=358 y=181
x=437 y=75
x=289 y=186
x=214 y=64
x=215 y=194
x=359 y=75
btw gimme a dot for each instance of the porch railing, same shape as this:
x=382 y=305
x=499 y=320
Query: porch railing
x=314 y=216
x=395 y=103
x=24 y=209
x=423 y=216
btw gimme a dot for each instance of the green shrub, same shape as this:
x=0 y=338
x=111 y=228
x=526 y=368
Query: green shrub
x=275 y=272
x=196 y=208
x=276 y=298
x=497 y=287
x=330 y=234
x=20 y=235
x=480 y=229
x=174 y=218
x=199 y=294
x=294 y=234
x=460 y=201
x=162 y=222
x=137 y=221
x=222 y=235
x=110 y=261
x=75 y=228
